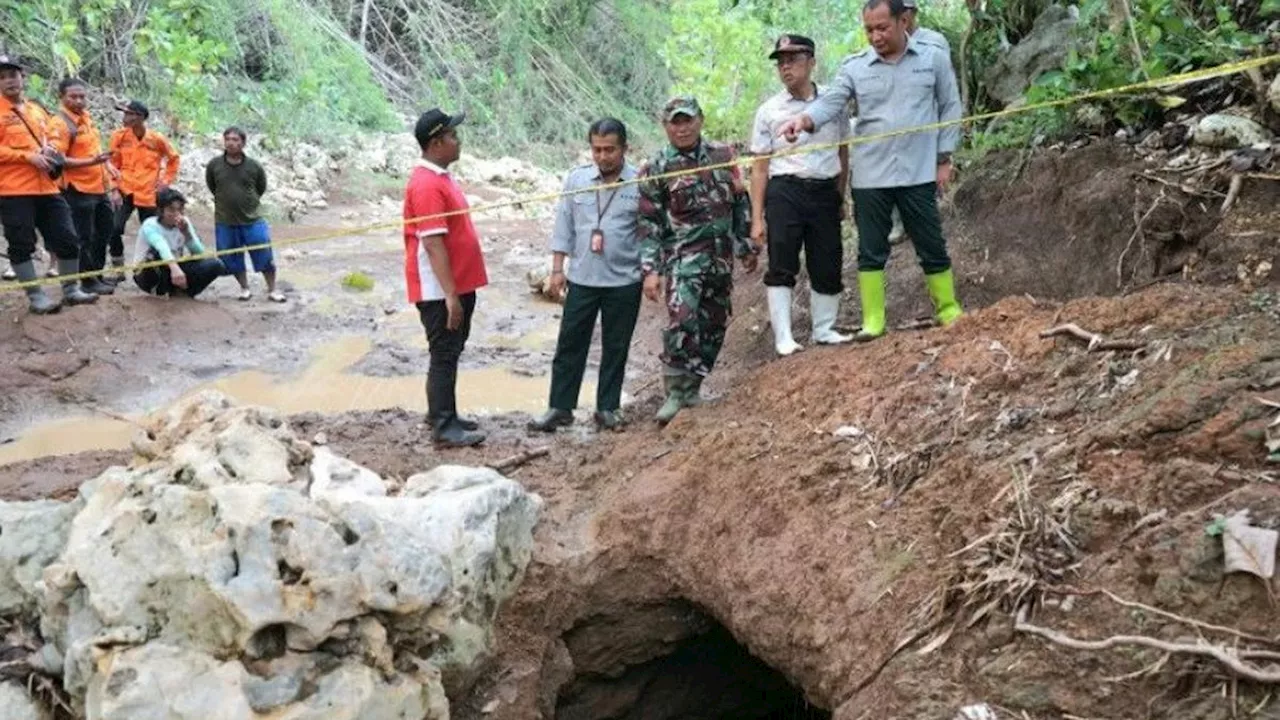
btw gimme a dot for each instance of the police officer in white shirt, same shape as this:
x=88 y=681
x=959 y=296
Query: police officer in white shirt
x=797 y=200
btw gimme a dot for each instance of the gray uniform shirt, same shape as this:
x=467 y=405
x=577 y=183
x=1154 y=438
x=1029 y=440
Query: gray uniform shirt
x=925 y=36
x=577 y=215
x=919 y=89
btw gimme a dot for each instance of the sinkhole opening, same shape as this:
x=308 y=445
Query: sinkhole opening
x=671 y=661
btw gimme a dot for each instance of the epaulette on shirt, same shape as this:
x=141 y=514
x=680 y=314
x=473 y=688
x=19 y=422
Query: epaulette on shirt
x=856 y=56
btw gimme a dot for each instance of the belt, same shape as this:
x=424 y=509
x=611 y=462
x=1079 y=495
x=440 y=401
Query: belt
x=803 y=181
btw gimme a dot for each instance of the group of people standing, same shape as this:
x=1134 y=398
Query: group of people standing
x=57 y=180
x=672 y=230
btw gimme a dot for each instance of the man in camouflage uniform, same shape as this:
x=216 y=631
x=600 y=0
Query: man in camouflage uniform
x=691 y=227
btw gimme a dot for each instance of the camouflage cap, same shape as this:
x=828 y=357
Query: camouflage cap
x=681 y=105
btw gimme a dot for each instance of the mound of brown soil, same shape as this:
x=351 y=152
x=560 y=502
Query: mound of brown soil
x=823 y=551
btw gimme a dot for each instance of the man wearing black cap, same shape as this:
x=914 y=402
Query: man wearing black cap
x=443 y=268
x=147 y=163
x=799 y=198
x=30 y=199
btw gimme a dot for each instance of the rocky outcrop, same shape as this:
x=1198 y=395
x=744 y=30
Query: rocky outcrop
x=16 y=704
x=1044 y=49
x=1229 y=132
x=299 y=173
x=234 y=571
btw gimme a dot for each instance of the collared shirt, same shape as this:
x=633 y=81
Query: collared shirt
x=919 y=89
x=91 y=179
x=138 y=159
x=17 y=145
x=612 y=211
x=432 y=191
x=818 y=164
x=925 y=36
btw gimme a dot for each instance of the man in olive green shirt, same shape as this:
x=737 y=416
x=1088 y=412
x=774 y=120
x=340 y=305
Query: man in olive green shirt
x=238 y=183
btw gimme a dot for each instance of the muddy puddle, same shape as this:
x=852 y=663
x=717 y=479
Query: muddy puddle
x=324 y=386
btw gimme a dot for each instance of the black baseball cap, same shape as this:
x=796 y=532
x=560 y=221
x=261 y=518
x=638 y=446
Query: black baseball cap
x=435 y=121
x=11 y=61
x=791 y=44
x=136 y=107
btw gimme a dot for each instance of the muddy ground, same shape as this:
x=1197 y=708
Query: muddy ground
x=830 y=506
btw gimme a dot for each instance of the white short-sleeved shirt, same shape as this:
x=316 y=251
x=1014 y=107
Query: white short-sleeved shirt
x=819 y=164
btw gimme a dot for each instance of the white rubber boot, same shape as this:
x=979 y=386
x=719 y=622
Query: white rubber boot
x=824 y=309
x=780 y=319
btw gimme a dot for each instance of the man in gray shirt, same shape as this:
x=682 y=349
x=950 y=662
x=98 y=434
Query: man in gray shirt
x=596 y=231
x=898 y=83
x=923 y=34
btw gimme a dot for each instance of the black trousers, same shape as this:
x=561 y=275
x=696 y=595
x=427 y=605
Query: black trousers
x=200 y=274
x=918 y=205
x=122 y=221
x=445 y=347
x=23 y=215
x=618 y=308
x=804 y=215
x=94 y=220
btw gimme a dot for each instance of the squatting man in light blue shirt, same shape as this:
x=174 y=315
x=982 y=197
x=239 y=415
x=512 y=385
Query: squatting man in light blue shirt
x=898 y=83
x=596 y=231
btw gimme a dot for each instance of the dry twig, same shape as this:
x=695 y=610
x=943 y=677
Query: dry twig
x=523 y=458
x=1233 y=192
x=1093 y=340
x=1231 y=659
x=1138 y=222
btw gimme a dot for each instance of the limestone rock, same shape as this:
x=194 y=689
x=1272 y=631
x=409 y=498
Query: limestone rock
x=16 y=704
x=1044 y=49
x=333 y=475
x=1229 y=132
x=198 y=687
x=238 y=566
x=32 y=535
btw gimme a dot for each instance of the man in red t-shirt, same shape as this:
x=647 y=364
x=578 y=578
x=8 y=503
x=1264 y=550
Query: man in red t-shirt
x=443 y=268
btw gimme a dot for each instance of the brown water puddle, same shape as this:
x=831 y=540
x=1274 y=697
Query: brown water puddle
x=323 y=387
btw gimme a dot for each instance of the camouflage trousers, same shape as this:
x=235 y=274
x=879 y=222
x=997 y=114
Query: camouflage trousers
x=698 y=295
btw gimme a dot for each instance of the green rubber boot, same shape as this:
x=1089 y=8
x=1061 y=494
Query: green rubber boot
x=871 y=290
x=677 y=387
x=942 y=289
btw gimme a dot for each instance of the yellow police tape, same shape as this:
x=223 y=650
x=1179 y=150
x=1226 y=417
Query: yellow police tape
x=1170 y=80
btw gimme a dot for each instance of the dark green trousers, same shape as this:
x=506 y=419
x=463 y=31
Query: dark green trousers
x=918 y=204
x=618 y=308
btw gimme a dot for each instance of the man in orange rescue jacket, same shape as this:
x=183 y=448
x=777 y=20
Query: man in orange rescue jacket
x=29 y=196
x=85 y=180
x=139 y=153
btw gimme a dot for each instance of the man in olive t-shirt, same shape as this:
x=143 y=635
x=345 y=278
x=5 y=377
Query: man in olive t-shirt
x=238 y=183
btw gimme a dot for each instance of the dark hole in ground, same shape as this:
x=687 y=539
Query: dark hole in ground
x=671 y=661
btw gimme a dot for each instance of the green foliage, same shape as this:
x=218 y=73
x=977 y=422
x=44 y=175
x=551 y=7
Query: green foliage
x=357 y=281
x=1167 y=37
x=192 y=58
x=718 y=51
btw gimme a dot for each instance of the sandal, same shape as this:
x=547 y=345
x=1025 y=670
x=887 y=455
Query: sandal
x=245 y=294
x=277 y=296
